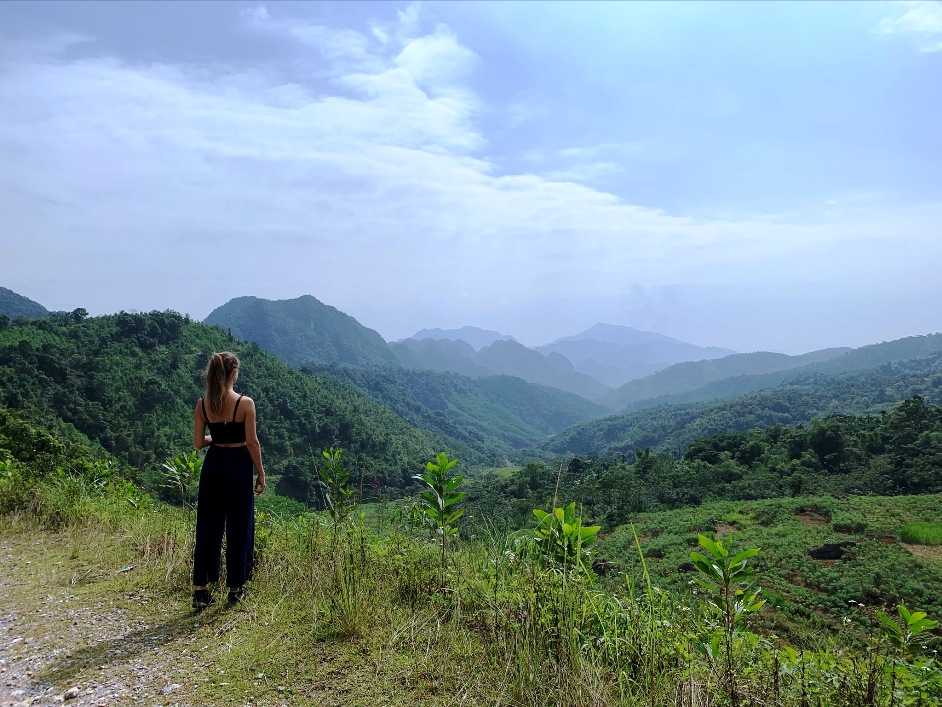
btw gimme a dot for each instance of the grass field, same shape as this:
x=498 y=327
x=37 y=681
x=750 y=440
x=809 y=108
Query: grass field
x=364 y=613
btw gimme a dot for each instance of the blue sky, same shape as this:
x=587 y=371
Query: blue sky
x=749 y=175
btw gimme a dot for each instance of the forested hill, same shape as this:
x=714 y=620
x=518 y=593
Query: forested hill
x=129 y=382
x=302 y=331
x=856 y=359
x=799 y=400
x=13 y=305
x=489 y=414
x=691 y=375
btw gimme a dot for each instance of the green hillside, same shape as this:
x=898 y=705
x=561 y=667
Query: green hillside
x=129 y=382
x=494 y=415
x=807 y=598
x=798 y=400
x=14 y=305
x=856 y=359
x=690 y=375
x=302 y=330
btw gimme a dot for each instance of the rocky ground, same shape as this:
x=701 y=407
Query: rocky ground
x=73 y=631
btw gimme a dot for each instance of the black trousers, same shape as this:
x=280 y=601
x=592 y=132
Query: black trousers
x=226 y=503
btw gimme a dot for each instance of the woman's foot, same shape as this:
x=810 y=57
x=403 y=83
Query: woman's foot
x=201 y=599
x=238 y=594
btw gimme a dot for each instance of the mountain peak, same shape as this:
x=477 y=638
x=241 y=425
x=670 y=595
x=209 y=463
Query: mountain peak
x=302 y=330
x=618 y=334
x=477 y=337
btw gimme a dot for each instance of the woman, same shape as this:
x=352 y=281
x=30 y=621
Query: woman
x=225 y=497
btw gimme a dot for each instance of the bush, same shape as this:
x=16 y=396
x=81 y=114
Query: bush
x=848 y=522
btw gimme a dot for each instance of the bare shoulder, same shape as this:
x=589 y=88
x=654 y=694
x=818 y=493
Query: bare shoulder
x=246 y=400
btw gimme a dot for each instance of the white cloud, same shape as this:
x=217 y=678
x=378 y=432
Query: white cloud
x=919 y=20
x=156 y=186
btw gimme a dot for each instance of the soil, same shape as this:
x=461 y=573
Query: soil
x=71 y=636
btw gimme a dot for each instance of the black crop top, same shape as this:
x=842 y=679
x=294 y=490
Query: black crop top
x=231 y=432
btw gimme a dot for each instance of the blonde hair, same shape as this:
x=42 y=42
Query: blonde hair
x=223 y=366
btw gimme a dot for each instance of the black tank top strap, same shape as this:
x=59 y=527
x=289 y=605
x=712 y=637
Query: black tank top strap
x=203 y=404
x=236 y=408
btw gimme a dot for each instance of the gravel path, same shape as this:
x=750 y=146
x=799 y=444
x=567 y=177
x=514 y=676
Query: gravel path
x=69 y=636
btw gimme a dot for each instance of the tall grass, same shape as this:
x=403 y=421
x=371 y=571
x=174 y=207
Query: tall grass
x=921 y=533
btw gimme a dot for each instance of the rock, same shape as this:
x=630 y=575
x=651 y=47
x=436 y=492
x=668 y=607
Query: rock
x=831 y=551
x=167 y=689
x=71 y=693
x=602 y=567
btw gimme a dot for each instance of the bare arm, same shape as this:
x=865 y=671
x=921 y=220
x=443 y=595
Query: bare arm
x=255 y=449
x=200 y=438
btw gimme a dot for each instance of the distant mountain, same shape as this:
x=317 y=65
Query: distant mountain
x=514 y=359
x=438 y=355
x=302 y=331
x=617 y=354
x=690 y=375
x=477 y=338
x=505 y=357
x=14 y=305
x=798 y=399
x=865 y=357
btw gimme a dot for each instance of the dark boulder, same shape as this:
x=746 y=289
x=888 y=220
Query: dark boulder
x=602 y=567
x=831 y=551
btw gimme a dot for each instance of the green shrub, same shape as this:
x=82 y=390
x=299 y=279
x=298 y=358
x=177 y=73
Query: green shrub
x=848 y=522
x=739 y=519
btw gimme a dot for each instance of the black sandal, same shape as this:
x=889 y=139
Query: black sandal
x=202 y=598
x=237 y=595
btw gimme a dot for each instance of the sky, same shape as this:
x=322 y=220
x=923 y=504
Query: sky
x=757 y=176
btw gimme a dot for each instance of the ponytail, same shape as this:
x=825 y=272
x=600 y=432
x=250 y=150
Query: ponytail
x=222 y=368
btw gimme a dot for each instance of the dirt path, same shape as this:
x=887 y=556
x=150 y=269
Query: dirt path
x=74 y=631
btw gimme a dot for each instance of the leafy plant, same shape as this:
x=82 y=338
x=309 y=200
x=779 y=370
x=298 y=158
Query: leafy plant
x=335 y=483
x=439 y=501
x=901 y=633
x=182 y=474
x=732 y=597
x=563 y=539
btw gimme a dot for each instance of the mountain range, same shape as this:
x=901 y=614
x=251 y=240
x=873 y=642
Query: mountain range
x=307 y=333
x=128 y=381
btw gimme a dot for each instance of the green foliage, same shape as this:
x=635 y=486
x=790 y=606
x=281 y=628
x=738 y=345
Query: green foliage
x=302 y=331
x=901 y=633
x=439 y=502
x=128 y=382
x=335 y=482
x=731 y=597
x=848 y=522
x=898 y=451
x=495 y=416
x=563 y=540
x=670 y=426
x=509 y=631
x=182 y=476
x=921 y=533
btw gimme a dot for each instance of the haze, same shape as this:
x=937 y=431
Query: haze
x=752 y=176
